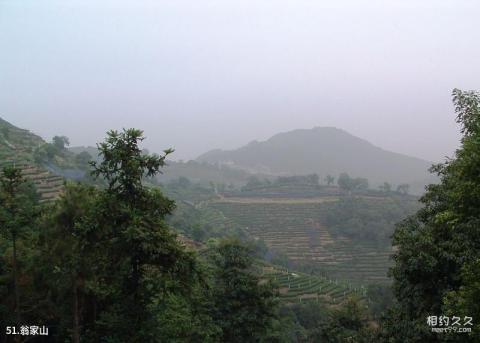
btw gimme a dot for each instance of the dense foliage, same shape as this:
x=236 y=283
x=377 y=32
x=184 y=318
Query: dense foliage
x=437 y=263
x=101 y=264
x=350 y=184
x=367 y=219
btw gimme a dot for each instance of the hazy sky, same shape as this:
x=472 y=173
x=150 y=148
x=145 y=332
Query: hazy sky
x=197 y=75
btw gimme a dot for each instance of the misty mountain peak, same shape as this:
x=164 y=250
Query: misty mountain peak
x=322 y=150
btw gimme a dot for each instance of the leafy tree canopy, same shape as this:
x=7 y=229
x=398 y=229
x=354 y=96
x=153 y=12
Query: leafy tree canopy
x=436 y=265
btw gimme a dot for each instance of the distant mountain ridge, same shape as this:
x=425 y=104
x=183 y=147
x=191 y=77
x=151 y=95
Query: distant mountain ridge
x=324 y=150
x=321 y=150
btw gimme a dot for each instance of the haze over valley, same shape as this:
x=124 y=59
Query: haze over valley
x=287 y=171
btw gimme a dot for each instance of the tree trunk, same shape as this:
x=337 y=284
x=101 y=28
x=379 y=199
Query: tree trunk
x=76 y=320
x=16 y=287
x=94 y=311
x=15 y=280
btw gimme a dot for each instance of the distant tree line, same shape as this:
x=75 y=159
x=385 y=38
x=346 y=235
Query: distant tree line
x=344 y=181
x=350 y=184
x=56 y=153
x=366 y=219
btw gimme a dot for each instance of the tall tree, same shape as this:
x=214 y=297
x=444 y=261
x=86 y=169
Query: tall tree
x=403 y=188
x=329 y=179
x=71 y=242
x=16 y=214
x=60 y=142
x=348 y=323
x=344 y=181
x=439 y=247
x=349 y=184
x=244 y=306
x=147 y=260
x=386 y=187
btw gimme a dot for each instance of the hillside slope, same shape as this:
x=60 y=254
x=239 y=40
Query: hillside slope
x=324 y=150
x=17 y=144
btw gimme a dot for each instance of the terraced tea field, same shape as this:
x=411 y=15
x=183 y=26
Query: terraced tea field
x=15 y=143
x=278 y=200
x=16 y=147
x=48 y=185
x=301 y=287
x=292 y=227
